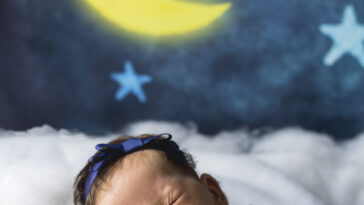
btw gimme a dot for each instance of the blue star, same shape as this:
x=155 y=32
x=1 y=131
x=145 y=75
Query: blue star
x=348 y=37
x=130 y=82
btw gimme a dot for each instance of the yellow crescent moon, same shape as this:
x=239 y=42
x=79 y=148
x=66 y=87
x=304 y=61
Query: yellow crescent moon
x=159 y=17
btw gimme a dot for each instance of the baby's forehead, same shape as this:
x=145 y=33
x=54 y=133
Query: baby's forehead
x=144 y=164
x=144 y=159
x=147 y=172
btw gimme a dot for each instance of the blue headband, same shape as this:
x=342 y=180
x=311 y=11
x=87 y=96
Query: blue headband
x=125 y=147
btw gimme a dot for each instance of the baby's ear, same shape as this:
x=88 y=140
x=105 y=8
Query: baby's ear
x=213 y=186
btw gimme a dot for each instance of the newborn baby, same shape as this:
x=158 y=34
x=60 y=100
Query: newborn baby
x=144 y=170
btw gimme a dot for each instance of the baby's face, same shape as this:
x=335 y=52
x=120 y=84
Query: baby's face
x=146 y=178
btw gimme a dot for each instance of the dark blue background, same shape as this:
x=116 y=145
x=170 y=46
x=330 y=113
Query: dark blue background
x=260 y=65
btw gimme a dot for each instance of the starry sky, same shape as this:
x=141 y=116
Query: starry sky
x=262 y=64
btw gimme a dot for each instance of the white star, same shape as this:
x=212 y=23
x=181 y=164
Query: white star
x=130 y=82
x=348 y=37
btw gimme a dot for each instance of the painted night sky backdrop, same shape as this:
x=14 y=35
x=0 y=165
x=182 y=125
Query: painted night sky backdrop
x=261 y=64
